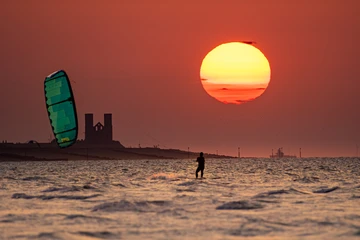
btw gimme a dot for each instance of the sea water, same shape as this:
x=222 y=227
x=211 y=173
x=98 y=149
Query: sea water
x=313 y=198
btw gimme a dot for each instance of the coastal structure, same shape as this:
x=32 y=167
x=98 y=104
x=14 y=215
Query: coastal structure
x=97 y=145
x=280 y=154
x=99 y=134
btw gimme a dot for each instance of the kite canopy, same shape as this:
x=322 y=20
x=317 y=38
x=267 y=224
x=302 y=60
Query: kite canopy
x=60 y=105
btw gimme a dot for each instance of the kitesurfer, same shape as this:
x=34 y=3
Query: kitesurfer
x=201 y=165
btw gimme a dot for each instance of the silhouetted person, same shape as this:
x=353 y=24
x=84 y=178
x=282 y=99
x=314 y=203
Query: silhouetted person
x=201 y=165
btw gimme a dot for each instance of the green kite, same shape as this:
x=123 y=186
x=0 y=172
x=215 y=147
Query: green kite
x=60 y=105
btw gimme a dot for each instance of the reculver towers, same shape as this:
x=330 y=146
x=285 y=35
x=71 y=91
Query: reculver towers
x=98 y=134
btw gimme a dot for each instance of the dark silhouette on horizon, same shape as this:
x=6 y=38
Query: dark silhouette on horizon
x=99 y=134
x=280 y=154
x=201 y=165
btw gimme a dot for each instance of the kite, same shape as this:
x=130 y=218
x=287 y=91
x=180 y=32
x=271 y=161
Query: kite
x=60 y=105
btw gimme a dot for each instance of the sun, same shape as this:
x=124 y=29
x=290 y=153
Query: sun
x=235 y=73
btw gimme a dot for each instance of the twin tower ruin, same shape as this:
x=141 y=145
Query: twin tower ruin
x=99 y=134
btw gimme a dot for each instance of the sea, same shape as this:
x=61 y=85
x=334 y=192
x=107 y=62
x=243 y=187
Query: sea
x=247 y=198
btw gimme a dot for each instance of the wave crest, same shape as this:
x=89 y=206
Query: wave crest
x=124 y=205
x=240 y=205
x=49 y=197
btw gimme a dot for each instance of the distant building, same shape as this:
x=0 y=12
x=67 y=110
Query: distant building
x=280 y=154
x=99 y=134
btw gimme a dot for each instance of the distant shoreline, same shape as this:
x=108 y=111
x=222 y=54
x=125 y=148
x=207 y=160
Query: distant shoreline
x=49 y=152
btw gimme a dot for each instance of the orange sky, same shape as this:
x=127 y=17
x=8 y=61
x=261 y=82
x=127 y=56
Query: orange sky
x=140 y=60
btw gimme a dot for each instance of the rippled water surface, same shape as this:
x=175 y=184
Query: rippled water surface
x=160 y=199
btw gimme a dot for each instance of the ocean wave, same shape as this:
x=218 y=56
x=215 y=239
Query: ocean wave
x=136 y=184
x=119 y=185
x=70 y=189
x=307 y=179
x=288 y=209
x=189 y=183
x=186 y=190
x=267 y=201
x=328 y=168
x=326 y=190
x=186 y=197
x=259 y=227
x=42 y=235
x=124 y=205
x=249 y=231
x=278 y=192
x=10 y=218
x=240 y=205
x=215 y=177
x=48 y=235
x=269 y=223
x=177 y=212
x=353 y=217
x=102 y=235
x=270 y=193
x=36 y=178
x=49 y=197
x=10 y=178
x=164 y=176
x=81 y=216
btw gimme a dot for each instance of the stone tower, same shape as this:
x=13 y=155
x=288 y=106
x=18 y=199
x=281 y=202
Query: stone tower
x=98 y=133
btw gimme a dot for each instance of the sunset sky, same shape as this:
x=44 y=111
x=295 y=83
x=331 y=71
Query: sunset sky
x=140 y=60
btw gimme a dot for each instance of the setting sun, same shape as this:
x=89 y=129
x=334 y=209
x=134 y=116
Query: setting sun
x=235 y=73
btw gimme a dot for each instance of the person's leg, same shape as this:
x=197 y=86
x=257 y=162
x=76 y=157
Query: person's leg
x=202 y=173
x=197 y=170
